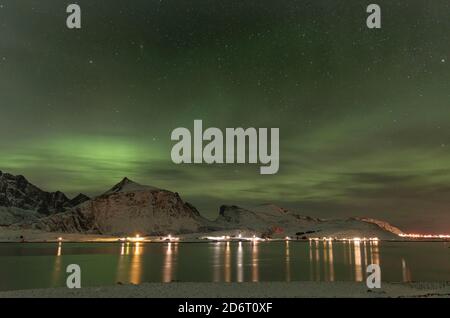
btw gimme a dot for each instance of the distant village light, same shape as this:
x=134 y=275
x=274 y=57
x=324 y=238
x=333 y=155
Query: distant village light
x=431 y=236
x=136 y=238
x=170 y=238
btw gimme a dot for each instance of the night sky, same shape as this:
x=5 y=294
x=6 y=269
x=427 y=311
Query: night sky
x=364 y=115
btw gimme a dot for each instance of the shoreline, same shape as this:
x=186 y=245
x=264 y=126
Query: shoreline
x=190 y=241
x=304 y=289
x=150 y=241
x=14 y=235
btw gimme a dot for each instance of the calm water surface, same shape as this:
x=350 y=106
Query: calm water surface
x=42 y=265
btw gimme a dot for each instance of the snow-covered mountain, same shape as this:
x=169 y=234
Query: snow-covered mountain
x=261 y=218
x=21 y=200
x=272 y=220
x=17 y=192
x=127 y=185
x=129 y=208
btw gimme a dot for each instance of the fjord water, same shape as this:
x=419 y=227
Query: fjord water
x=43 y=265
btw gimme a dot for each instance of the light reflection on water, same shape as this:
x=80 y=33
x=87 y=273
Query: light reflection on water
x=57 y=270
x=330 y=262
x=227 y=266
x=136 y=264
x=43 y=265
x=358 y=263
x=169 y=264
x=288 y=263
x=255 y=269
x=240 y=264
x=216 y=262
x=358 y=255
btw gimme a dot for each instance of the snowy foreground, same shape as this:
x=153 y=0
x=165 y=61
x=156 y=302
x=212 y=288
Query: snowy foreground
x=245 y=290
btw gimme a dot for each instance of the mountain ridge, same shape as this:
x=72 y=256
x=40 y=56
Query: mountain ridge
x=128 y=185
x=17 y=192
x=129 y=207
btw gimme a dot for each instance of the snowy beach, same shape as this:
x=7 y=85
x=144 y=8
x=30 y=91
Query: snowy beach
x=245 y=290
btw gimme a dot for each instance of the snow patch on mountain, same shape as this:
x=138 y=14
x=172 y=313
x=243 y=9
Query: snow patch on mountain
x=381 y=224
x=127 y=185
x=271 y=220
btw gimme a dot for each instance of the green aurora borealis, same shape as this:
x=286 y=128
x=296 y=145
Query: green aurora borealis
x=364 y=115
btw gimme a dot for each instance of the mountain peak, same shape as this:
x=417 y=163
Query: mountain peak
x=17 y=192
x=124 y=182
x=128 y=185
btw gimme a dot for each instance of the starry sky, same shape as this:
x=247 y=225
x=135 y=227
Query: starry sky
x=364 y=115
